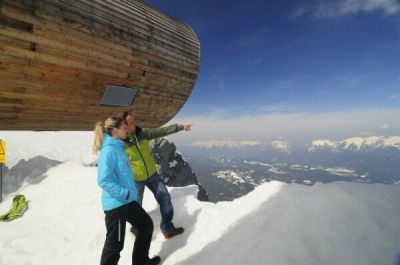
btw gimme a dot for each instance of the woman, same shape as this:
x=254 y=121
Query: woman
x=115 y=178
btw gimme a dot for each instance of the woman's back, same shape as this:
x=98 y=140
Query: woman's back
x=115 y=175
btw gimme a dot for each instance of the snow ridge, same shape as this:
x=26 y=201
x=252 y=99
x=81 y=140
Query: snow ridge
x=357 y=143
x=282 y=146
x=64 y=224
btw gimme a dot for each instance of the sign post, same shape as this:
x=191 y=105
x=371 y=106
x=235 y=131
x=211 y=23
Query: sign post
x=2 y=161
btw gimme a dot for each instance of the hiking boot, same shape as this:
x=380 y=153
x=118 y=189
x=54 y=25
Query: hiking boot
x=153 y=261
x=173 y=232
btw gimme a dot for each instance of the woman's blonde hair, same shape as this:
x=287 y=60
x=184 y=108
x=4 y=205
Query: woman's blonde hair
x=104 y=127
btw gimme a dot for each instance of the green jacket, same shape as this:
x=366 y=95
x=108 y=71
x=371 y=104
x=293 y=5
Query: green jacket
x=138 y=149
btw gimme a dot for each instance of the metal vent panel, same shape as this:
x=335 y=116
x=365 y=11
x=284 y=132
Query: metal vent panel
x=118 y=96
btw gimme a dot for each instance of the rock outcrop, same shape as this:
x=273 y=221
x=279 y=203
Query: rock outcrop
x=173 y=168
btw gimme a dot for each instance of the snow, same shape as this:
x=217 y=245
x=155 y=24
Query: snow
x=307 y=182
x=234 y=177
x=356 y=141
x=276 y=170
x=60 y=146
x=300 y=167
x=256 y=163
x=392 y=141
x=172 y=164
x=341 y=171
x=374 y=142
x=337 y=223
x=322 y=144
x=277 y=223
x=282 y=146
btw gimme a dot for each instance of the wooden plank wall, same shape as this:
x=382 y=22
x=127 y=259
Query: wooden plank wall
x=57 y=56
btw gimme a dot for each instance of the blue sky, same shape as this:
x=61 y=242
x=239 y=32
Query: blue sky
x=314 y=58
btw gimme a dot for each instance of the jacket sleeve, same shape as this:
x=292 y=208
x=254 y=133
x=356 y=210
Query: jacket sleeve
x=107 y=179
x=149 y=134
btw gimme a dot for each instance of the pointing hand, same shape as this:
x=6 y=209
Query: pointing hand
x=187 y=127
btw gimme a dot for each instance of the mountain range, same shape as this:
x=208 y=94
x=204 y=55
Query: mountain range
x=222 y=171
x=230 y=173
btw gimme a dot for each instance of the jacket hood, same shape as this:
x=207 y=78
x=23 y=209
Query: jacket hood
x=111 y=141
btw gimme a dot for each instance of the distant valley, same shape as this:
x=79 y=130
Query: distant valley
x=364 y=160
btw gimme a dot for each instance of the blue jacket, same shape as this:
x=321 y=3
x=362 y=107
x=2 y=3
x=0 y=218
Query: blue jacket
x=115 y=176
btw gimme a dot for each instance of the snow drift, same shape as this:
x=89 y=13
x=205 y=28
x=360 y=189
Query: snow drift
x=337 y=223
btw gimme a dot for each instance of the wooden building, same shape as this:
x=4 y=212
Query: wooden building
x=58 y=56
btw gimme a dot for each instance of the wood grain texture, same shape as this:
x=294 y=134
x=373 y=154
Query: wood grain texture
x=57 y=56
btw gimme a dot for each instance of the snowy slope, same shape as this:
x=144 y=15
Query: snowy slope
x=60 y=146
x=337 y=223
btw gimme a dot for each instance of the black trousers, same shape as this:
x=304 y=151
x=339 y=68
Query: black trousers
x=115 y=224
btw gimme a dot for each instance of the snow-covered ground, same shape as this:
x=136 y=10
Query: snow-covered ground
x=60 y=146
x=235 y=177
x=256 y=163
x=337 y=223
x=340 y=171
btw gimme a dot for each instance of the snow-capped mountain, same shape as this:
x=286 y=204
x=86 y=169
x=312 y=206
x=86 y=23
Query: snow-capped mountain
x=282 y=146
x=366 y=160
x=356 y=144
x=323 y=145
x=280 y=149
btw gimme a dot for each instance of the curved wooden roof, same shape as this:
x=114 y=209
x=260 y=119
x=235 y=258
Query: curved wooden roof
x=57 y=57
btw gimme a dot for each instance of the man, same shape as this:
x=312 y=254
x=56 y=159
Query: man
x=144 y=167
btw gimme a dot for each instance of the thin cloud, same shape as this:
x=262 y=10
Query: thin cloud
x=395 y=96
x=344 y=80
x=285 y=85
x=329 y=9
x=295 y=127
x=223 y=143
x=280 y=108
x=218 y=76
x=258 y=38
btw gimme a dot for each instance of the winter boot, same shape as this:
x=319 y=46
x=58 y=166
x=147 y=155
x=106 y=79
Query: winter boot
x=173 y=232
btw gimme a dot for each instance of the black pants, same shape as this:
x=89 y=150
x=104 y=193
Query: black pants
x=115 y=224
